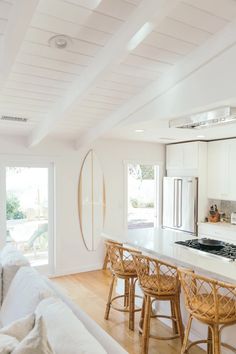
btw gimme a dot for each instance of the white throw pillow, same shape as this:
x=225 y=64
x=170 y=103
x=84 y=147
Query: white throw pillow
x=7 y=344
x=11 y=260
x=35 y=342
x=66 y=333
x=26 y=291
x=20 y=328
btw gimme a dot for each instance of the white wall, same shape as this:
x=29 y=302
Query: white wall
x=70 y=253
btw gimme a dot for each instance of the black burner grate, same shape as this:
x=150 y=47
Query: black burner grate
x=228 y=251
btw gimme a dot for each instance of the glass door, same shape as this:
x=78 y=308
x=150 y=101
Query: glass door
x=142 y=191
x=28 y=216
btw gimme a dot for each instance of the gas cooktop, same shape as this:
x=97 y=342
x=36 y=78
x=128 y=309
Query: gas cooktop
x=228 y=251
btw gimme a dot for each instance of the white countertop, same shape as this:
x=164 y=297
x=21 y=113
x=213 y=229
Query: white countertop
x=227 y=225
x=161 y=243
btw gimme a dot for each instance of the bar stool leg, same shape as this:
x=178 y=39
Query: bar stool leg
x=109 y=298
x=142 y=314
x=174 y=324
x=178 y=315
x=146 y=325
x=131 y=303
x=209 y=338
x=106 y=260
x=187 y=330
x=216 y=340
x=126 y=297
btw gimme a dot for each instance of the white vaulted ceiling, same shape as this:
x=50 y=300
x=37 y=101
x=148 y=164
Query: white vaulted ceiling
x=82 y=92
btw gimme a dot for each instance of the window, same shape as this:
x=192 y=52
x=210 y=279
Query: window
x=142 y=192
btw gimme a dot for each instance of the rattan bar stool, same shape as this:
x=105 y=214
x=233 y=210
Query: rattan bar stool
x=159 y=281
x=122 y=267
x=211 y=302
x=106 y=258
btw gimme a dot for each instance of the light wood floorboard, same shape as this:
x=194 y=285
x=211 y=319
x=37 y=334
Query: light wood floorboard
x=90 y=289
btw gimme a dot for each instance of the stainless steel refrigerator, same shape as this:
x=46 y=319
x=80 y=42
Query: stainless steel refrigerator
x=180 y=197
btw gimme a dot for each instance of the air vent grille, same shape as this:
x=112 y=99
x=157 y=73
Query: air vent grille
x=14 y=119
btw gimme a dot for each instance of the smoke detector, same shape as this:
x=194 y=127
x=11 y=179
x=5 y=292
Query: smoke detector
x=60 y=41
x=14 y=119
x=218 y=116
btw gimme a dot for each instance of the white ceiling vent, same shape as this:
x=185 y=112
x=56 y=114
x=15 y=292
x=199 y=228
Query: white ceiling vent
x=14 y=119
x=218 y=116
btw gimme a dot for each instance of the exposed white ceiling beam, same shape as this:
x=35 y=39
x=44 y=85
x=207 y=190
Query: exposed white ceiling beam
x=152 y=11
x=214 y=47
x=17 y=25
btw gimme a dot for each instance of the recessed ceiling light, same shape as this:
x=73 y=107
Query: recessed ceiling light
x=60 y=41
x=201 y=136
x=139 y=130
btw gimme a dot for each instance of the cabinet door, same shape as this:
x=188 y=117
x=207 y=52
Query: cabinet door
x=218 y=172
x=190 y=155
x=174 y=156
x=232 y=169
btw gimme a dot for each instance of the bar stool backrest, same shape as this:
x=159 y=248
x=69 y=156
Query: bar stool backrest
x=207 y=299
x=121 y=258
x=156 y=276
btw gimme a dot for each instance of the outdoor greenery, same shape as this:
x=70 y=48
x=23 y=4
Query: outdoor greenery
x=13 y=210
x=142 y=172
x=137 y=204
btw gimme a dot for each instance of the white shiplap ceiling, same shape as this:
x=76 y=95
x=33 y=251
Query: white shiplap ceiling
x=74 y=93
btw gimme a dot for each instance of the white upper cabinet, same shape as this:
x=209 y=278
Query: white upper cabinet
x=222 y=169
x=217 y=169
x=182 y=156
x=174 y=156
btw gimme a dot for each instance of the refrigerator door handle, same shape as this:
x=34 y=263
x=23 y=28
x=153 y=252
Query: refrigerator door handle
x=179 y=221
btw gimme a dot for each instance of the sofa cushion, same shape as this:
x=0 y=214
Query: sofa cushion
x=71 y=336
x=12 y=335
x=20 y=328
x=27 y=289
x=35 y=342
x=7 y=344
x=11 y=260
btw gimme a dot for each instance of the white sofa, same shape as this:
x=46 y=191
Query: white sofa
x=70 y=330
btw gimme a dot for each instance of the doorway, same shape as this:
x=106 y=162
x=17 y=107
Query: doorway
x=28 y=203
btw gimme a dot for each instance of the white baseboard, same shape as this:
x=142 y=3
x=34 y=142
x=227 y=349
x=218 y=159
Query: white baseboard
x=68 y=271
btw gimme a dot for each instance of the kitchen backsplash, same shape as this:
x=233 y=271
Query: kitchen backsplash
x=224 y=206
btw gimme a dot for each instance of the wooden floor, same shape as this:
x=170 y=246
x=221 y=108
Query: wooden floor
x=89 y=290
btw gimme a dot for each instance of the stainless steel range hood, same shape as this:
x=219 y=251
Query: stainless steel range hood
x=218 y=116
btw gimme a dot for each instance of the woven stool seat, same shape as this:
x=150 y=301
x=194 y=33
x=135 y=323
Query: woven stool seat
x=125 y=267
x=203 y=305
x=159 y=281
x=161 y=285
x=213 y=303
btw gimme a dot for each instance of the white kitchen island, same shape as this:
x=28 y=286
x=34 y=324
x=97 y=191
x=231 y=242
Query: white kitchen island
x=160 y=243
